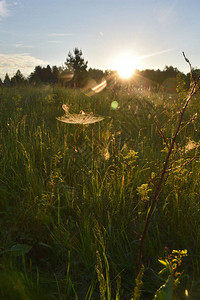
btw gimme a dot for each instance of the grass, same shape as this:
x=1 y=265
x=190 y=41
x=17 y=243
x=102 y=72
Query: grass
x=72 y=191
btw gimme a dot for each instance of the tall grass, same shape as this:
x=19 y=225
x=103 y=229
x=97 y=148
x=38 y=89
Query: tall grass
x=58 y=181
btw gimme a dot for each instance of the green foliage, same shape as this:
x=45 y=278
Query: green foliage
x=44 y=75
x=138 y=284
x=172 y=264
x=77 y=64
x=18 y=79
x=181 y=88
x=7 y=81
x=56 y=179
x=143 y=191
x=102 y=281
x=18 y=249
x=165 y=292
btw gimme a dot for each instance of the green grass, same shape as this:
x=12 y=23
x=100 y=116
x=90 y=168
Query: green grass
x=69 y=191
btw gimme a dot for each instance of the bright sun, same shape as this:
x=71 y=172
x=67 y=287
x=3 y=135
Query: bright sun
x=126 y=65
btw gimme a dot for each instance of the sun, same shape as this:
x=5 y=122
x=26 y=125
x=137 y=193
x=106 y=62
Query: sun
x=126 y=65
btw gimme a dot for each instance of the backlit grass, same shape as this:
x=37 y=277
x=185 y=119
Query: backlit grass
x=78 y=195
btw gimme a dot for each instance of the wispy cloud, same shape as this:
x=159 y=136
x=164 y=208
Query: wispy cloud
x=164 y=9
x=10 y=63
x=55 y=42
x=22 y=45
x=17 y=3
x=4 y=12
x=60 y=34
x=156 y=53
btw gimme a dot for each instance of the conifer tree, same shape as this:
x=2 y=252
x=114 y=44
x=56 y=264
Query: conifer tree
x=7 y=81
x=76 y=63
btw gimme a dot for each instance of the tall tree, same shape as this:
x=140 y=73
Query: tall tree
x=170 y=72
x=47 y=75
x=96 y=74
x=7 y=81
x=18 y=78
x=55 y=74
x=44 y=75
x=35 y=76
x=76 y=63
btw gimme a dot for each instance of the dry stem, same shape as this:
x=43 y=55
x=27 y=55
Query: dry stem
x=162 y=180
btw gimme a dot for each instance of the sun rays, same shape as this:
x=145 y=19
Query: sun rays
x=125 y=65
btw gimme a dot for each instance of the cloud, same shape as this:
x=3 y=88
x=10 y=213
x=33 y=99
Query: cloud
x=164 y=10
x=10 y=63
x=17 y=3
x=3 y=9
x=21 y=45
x=60 y=34
x=55 y=42
x=156 y=53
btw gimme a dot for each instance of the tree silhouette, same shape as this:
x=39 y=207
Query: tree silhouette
x=44 y=75
x=47 y=75
x=36 y=75
x=18 y=79
x=7 y=81
x=55 y=74
x=76 y=63
x=170 y=72
x=96 y=74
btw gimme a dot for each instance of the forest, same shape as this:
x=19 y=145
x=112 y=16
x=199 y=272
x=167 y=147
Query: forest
x=75 y=73
x=99 y=184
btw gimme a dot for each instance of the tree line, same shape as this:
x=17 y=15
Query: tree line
x=75 y=74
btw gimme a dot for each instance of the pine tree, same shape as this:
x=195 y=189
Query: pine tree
x=76 y=63
x=7 y=81
x=18 y=78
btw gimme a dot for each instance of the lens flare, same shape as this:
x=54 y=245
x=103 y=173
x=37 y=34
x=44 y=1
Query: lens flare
x=99 y=87
x=114 y=105
x=95 y=89
x=67 y=75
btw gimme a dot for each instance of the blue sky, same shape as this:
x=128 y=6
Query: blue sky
x=41 y=32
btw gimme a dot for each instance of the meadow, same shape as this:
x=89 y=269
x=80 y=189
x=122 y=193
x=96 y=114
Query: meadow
x=74 y=198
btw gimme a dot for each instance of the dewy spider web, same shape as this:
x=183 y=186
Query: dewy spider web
x=80 y=118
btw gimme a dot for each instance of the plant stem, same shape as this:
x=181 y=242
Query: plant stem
x=160 y=184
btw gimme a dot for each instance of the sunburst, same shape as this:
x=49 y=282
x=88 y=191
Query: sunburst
x=126 y=64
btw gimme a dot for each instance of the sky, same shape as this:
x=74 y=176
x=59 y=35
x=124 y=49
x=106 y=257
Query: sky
x=42 y=32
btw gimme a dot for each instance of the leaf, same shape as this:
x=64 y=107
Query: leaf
x=44 y=244
x=138 y=284
x=163 y=262
x=20 y=249
x=165 y=291
x=164 y=270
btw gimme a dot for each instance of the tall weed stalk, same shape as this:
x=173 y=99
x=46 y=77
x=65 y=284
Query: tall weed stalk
x=164 y=173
